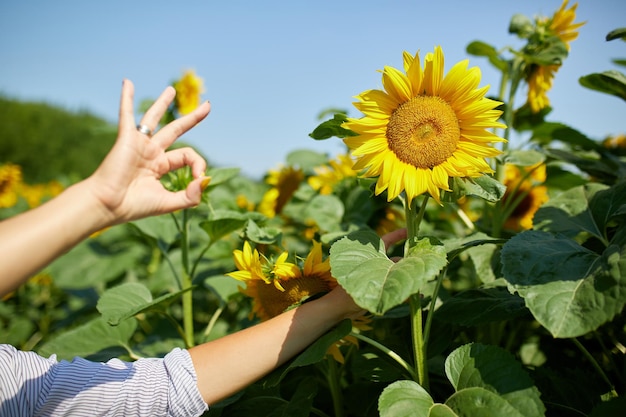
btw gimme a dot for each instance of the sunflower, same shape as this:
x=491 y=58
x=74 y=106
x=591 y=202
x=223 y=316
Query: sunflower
x=540 y=77
x=424 y=128
x=188 y=91
x=525 y=193
x=292 y=284
x=327 y=176
x=562 y=23
x=284 y=181
x=10 y=182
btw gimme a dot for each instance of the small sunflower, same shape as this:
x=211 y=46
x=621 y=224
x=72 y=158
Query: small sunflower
x=526 y=192
x=292 y=284
x=10 y=182
x=540 y=77
x=327 y=176
x=424 y=128
x=284 y=181
x=188 y=91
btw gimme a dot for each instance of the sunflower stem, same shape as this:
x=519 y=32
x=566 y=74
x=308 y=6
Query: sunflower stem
x=414 y=218
x=335 y=388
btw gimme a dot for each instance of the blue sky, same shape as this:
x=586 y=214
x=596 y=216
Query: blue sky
x=270 y=67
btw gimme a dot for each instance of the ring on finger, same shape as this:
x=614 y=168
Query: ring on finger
x=144 y=129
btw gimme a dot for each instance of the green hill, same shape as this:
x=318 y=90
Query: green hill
x=48 y=141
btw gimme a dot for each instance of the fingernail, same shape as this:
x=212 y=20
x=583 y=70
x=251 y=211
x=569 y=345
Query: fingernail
x=205 y=183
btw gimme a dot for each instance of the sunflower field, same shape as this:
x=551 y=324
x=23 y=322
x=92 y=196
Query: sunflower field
x=506 y=298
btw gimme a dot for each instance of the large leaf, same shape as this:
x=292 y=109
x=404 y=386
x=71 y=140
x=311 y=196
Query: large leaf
x=223 y=222
x=89 y=338
x=326 y=210
x=481 y=305
x=569 y=289
x=90 y=264
x=609 y=82
x=488 y=374
x=569 y=213
x=485 y=187
x=374 y=281
x=477 y=401
x=404 y=399
x=127 y=300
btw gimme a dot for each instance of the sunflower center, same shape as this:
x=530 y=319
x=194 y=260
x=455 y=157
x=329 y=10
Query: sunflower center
x=423 y=131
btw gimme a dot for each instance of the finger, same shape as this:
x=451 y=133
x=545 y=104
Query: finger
x=127 y=115
x=154 y=114
x=172 y=131
x=187 y=198
x=394 y=237
x=182 y=157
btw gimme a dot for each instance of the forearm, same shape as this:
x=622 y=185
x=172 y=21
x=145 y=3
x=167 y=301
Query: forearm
x=229 y=364
x=31 y=240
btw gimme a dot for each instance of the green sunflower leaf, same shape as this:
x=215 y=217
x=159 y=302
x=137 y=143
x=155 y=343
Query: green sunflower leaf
x=479 y=48
x=326 y=211
x=404 y=399
x=88 y=339
x=221 y=175
x=374 y=281
x=332 y=127
x=488 y=378
x=569 y=289
x=524 y=158
x=609 y=82
x=482 y=305
x=485 y=187
x=223 y=222
x=619 y=33
x=127 y=300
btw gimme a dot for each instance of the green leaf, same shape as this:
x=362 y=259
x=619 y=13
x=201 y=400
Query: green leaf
x=478 y=48
x=479 y=306
x=548 y=132
x=221 y=175
x=331 y=128
x=569 y=213
x=404 y=399
x=223 y=286
x=306 y=159
x=442 y=410
x=609 y=82
x=374 y=281
x=524 y=158
x=127 y=300
x=326 y=210
x=552 y=52
x=90 y=265
x=619 y=33
x=89 y=338
x=222 y=222
x=475 y=370
x=569 y=289
x=158 y=227
x=485 y=187
x=262 y=235
x=477 y=401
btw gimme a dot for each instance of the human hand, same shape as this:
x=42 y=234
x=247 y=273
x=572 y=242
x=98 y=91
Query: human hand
x=127 y=183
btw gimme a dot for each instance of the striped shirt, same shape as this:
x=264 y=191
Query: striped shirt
x=31 y=385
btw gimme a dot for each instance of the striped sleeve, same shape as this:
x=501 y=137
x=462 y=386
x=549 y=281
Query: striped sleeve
x=32 y=385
